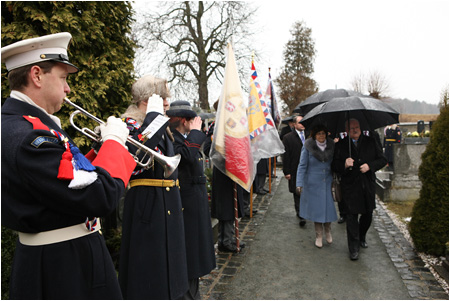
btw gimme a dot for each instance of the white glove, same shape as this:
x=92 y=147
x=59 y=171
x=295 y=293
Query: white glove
x=114 y=129
x=155 y=104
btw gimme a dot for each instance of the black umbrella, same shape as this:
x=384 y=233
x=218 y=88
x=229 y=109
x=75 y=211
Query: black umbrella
x=370 y=112
x=321 y=97
x=287 y=119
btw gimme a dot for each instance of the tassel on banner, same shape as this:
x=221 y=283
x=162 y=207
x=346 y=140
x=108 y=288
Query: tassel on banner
x=65 y=171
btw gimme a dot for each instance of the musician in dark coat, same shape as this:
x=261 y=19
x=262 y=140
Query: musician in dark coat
x=186 y=129
x=293 y=145
x=52 y=194
x=153 y=252
x=392 y=135
x=222 y=203
x=357 y=171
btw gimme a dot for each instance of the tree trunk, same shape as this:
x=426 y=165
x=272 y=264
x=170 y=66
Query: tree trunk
x=203 y=94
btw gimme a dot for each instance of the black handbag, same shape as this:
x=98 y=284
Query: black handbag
x=336 y=188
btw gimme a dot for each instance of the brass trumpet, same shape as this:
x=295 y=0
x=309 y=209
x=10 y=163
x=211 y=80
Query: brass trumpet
x=168 y=163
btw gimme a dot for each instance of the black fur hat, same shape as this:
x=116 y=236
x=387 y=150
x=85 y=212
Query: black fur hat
x=181 y=108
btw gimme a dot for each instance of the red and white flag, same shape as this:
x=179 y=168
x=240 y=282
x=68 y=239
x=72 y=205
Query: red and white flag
x=230 y=150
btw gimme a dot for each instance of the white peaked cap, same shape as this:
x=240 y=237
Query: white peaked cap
x=30 y=51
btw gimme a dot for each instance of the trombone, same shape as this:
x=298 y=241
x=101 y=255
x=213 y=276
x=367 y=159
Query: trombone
x=168 y=163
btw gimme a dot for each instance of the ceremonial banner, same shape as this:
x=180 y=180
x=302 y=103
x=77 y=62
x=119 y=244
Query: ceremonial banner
x=265 y=140
x=230 y=150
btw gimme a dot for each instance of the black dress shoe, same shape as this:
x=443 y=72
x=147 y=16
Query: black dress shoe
x=253 y=211
x=265 y=190
x=302 y=222
x=261 y=192
x=341 y=220
x=230 y=248
x=354 y=255
x=363 y=244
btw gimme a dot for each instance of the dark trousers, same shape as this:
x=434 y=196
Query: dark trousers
x=357 y=229
x=226 y=235
x=296 y=202
x=246 y=201
x=258 y=183
x=342 y=208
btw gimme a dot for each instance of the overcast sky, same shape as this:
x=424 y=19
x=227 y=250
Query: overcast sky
x=408 y=42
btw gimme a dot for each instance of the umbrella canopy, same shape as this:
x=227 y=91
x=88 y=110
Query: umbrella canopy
x=370 y=112
x=321 y=97
x=287 y=119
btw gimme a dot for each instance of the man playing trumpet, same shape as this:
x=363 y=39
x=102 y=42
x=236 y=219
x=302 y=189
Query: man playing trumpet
x=153 y=253
x=51 y=194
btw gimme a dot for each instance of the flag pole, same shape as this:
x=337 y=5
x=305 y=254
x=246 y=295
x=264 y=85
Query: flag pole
x=270 y=175
x=236 y=221
x=251 y=201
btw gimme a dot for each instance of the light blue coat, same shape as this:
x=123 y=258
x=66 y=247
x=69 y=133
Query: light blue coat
x=315 y=176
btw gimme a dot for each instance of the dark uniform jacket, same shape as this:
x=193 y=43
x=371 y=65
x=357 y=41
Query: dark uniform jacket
x=291 y=157
x=153 y=252
x=358 y=189
x=222 y=192
x=391 y=137
x=201 y=258
x=35 y=200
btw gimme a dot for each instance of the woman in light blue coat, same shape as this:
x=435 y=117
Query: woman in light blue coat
x=314 y=179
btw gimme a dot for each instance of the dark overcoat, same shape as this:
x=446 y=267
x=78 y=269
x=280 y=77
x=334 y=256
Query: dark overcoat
x=201 y=258
x=262 y=168
x=35 y=200
x=358 y=189
x=222 y=191
x=153 y=252
x=285 y=130
x=291 y=157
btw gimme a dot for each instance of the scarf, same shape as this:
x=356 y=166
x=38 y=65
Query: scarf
x=322 y=145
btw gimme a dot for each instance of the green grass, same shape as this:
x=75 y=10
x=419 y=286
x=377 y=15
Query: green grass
x=402 y=209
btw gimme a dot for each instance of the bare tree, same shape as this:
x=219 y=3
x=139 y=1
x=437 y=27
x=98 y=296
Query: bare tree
x=358 y=83
x=189 y=40
x=377 y=85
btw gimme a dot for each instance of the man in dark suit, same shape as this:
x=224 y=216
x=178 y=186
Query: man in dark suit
x=293 y=143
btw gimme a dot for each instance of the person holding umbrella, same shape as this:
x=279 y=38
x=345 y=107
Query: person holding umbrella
x=356 y=161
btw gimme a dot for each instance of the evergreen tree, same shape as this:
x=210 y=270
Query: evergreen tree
x=429 y=222
x=295 y=82
x=101 y=47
